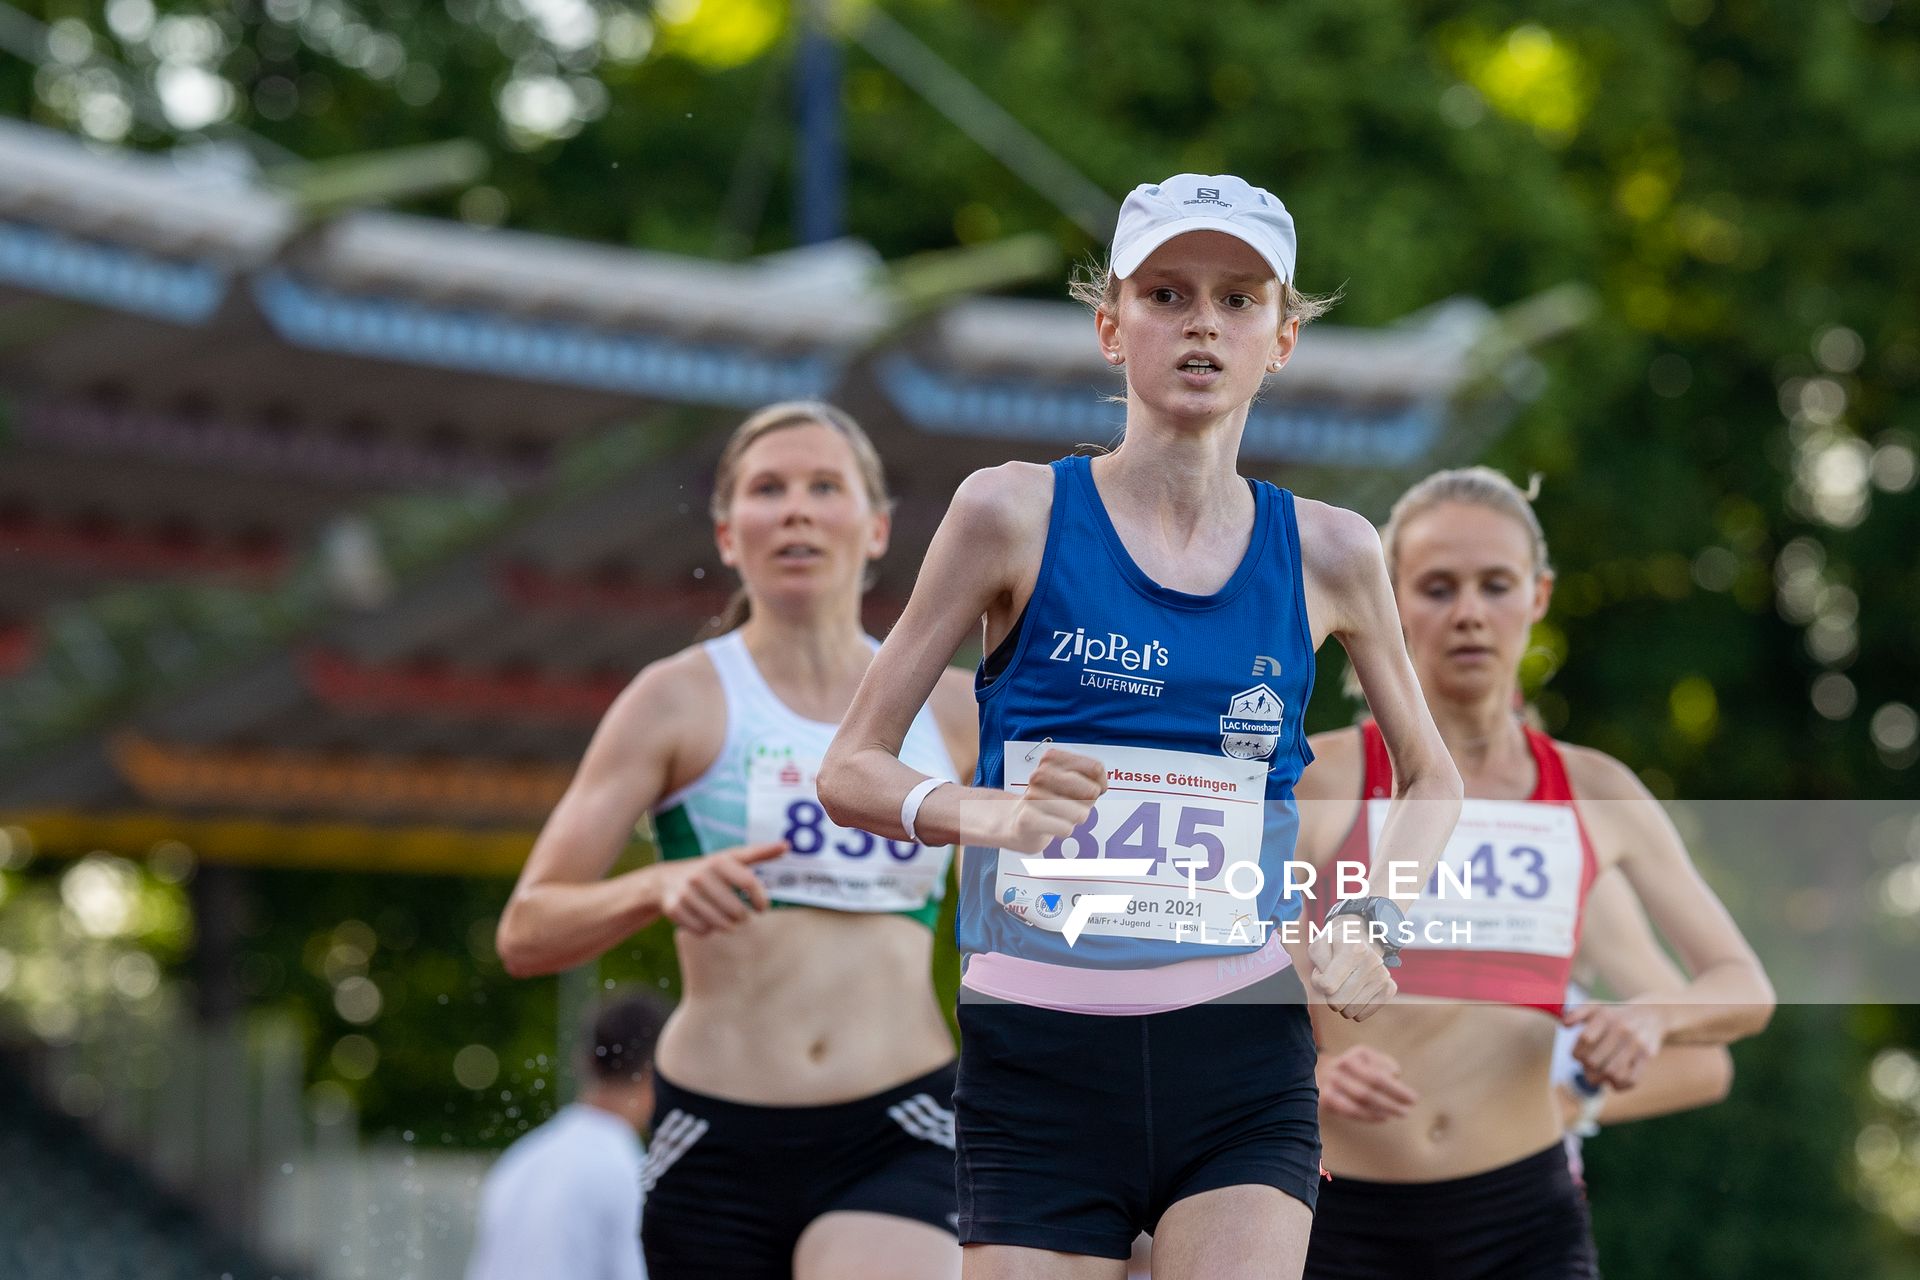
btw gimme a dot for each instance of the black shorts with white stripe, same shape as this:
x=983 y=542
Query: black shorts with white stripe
x=730 y=1186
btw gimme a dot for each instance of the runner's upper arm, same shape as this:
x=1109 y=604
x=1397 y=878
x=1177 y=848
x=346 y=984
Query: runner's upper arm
x=1617 y=943
x=622 y=775
x=970 y=564
x=1352 y=599
x=1636 y=834
x=958 y=716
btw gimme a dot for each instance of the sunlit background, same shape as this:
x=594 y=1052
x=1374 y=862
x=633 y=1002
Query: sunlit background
x=361 y=369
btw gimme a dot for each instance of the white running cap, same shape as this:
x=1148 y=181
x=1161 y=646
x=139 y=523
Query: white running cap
x=1156 y=212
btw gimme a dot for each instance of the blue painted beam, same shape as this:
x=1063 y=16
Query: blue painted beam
x=110 y=276
x=655 y=366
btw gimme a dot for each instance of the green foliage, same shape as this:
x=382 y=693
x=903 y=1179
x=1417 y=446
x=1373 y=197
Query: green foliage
x=1727 y=450
x=1740 y=1189
x=426 y=944
x=84 y=945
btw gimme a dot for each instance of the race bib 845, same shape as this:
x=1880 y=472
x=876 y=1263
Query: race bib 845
x=1195 y=820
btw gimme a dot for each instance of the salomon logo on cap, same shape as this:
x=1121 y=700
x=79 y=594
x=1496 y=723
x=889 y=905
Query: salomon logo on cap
x=1156 y=212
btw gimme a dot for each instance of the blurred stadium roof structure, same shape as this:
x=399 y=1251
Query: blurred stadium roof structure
x=327 y=533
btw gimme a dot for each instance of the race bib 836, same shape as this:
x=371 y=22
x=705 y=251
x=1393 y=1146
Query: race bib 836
x=828 y=865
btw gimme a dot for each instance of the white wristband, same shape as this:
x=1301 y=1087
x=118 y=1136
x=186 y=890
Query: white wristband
x=910 y=807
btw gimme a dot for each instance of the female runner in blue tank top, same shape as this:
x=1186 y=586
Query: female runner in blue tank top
x=1150 y=623
x=801 y=1124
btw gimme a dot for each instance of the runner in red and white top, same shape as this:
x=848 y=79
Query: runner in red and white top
x=1441 y=1130
x=1527 y=868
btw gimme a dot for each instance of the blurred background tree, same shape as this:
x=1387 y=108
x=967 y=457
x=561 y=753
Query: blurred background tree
x=1728 y=451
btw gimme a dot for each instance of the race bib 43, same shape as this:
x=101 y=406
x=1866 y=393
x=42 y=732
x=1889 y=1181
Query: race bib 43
x=1519 y=864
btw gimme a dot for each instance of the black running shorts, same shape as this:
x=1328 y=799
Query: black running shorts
x=730 y=1186
x=1077 y=1131
x=1523 y=1221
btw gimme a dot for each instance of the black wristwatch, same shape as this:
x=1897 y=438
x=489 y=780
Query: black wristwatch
x=1384 y=911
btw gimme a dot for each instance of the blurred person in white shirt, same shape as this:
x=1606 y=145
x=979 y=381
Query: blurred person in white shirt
x=564 y=1201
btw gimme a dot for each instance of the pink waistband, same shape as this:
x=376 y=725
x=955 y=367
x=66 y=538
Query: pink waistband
x=1069 y=989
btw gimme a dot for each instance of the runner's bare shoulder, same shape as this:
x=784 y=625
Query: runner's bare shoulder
x=998 y=521
x=1009 y=503
x=1336 y=545
x=1595 y=775
x=1617 y=807
x=1344 y=572
x=677 y=706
